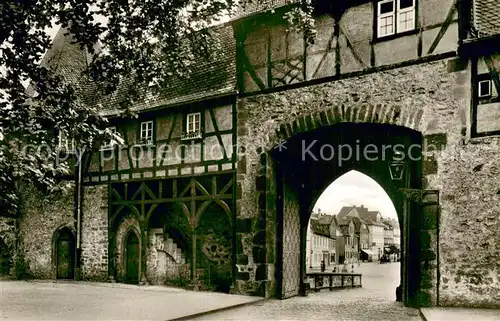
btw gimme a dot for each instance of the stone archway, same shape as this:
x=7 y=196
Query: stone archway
x=128 y=224
x=311 y=161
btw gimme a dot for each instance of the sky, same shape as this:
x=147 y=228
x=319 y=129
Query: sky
x=355 y=188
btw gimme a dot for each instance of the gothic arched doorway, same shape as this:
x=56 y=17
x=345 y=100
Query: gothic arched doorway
x=132 y=258
x=5 y=258
x=65 y=254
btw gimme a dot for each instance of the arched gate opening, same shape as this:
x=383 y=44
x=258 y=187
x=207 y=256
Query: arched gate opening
x=307 y=163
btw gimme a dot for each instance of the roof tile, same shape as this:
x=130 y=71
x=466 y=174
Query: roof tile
x=487 y=17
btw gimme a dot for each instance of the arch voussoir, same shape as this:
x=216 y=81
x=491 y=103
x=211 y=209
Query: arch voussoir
x=309 y=122
x=377 y=114
x=362 y=112
x=324 y=118
x=388 y=113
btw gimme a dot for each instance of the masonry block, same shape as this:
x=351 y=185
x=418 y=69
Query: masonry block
x=241 y=259
x=243 y=225
x=259 y=254
x=261 y=273
x=259 y=238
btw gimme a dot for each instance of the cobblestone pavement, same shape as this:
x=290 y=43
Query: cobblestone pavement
x=45 y=300
x=375 y=301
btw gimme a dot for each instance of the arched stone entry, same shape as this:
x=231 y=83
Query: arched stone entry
x=310 y=161
x=131 y=258
x=214 y=247
x=64 y=240
x=5 y=258
x=169 y=246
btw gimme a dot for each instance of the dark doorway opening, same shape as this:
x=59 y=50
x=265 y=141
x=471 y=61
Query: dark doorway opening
x=65 y=257
x=132 y=258
x=5 y=258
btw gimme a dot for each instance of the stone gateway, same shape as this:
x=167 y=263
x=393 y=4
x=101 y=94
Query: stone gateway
x=214 y=185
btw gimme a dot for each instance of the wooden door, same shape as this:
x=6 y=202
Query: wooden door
x=132 y=255
x=65 y=255
x=421 y=247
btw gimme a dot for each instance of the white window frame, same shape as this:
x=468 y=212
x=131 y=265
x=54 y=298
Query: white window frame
x=146 y=132
x=191 y=123
x=396 y=17
x=483 y=95
x=64 y=144
x=109 y=145
x=383 y=16
x=399 y=29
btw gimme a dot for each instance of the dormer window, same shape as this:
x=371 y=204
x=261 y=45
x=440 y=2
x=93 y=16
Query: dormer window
x=395 y=16
x=146 y=137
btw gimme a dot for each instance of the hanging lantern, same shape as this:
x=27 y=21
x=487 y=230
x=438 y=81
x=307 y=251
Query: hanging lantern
x=396 y=169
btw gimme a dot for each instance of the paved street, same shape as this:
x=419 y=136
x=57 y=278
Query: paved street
x=375 y=301
x=21 y=300
x=38 y=300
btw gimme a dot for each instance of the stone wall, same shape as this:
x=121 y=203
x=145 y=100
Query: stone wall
x=40 y=217
x=469 y=179
x=430 y=97
x=95 y=233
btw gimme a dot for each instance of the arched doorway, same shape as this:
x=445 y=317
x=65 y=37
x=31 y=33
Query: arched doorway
x=5 y=258
x=214 y=248
x=65 y=254
x=311 y=161
x=132 y=258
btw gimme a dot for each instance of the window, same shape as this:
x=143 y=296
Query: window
x=147 y=133
x=66 y=144
x=193 y=126
x=484 y=88
x=193 y=123
x=395 y=16
x=109 y=145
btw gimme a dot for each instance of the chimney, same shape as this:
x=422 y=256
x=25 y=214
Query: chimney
x=362 y=206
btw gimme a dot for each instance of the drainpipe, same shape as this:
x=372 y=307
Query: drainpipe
x=78 y=217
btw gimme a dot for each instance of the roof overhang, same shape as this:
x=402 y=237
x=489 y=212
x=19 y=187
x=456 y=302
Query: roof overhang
x=367 y=252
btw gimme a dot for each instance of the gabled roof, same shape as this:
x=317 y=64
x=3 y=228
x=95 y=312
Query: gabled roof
x=69 y=61
x=325 y=219
x=487 y=17
x=319 y=228
x=248 y=8
x=208 y=78
x=345 y=210
x=369 y=217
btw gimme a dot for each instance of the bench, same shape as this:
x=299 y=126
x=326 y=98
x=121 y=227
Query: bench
x=334 y=280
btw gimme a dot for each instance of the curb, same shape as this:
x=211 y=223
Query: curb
x=199 y=314
x=422 y=315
